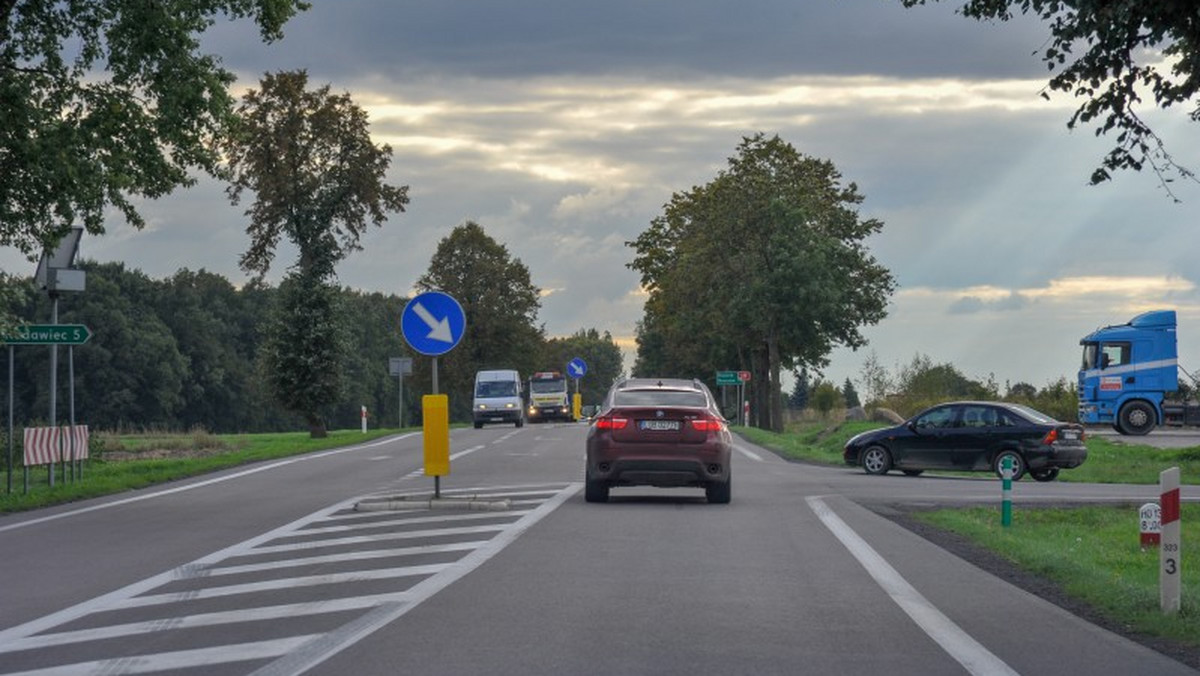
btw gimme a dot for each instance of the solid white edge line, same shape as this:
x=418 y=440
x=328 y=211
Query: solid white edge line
x=328 y=645
x=749 y=453
x=206 y=482
x=968 y=652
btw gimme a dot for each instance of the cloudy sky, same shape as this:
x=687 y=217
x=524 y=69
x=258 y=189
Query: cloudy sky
x=564 y=127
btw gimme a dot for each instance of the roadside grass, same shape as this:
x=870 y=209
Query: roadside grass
x=1108 y=462
x=1094 y=555
x=130 y=461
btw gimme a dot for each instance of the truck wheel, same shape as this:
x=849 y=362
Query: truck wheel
x=1136 y=418
x=478 y=425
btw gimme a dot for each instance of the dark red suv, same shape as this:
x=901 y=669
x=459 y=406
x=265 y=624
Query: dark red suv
x=664 y=432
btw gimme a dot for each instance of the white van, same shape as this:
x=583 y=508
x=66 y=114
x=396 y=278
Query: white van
x=498 y=398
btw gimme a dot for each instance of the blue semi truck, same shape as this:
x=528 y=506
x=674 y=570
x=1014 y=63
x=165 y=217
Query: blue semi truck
x=1129 y=373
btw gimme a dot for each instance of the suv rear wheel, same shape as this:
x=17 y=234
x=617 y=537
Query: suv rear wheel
x=719 y=493
x=595 y=491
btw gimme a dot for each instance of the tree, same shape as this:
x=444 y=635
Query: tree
x=875 y=378
x=107 y=101
x=850 y=395
x=1108 y=52
x=500 y=305
x=825 y=397
x=318 y=180
x=800 y=391
x=776 y=246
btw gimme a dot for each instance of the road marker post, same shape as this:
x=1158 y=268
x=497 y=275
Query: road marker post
x=1006 y=473
x=1170 y=555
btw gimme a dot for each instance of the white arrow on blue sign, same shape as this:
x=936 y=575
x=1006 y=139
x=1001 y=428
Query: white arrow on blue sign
x=576 y=368
x=433 y=323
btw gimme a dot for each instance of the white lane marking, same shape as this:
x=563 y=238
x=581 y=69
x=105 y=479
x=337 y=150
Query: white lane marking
x=330 y=644
x=382 y=523
x=202 y=620
x=342 y=558
x=282 y=583
x=749 y=453
x=114 y=598
x=368 y=539
x=453 y=457
x=975 y=658
x=206 y=482
x=143 y=664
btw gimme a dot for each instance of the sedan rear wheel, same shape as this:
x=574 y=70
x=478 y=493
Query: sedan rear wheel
x=1044 y=474
x=876 y=460
x=1018 y=464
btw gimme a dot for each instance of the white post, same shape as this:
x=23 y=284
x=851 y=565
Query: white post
x=364 y=419
x=1170 y=556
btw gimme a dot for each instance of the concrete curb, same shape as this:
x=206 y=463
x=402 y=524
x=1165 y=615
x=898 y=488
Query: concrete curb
x=407 y=502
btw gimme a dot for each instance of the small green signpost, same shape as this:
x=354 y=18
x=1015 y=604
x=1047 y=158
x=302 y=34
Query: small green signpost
x=48 y=334
x=728 y=378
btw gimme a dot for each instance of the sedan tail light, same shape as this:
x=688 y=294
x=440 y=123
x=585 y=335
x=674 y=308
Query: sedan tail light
x=611 y=423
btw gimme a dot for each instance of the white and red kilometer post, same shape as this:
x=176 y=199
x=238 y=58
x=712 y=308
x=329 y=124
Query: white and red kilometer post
x=1170 y=556
x=364 y=419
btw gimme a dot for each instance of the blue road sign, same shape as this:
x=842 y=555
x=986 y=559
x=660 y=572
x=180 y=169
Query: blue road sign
x=433 y=323
x=576 y=368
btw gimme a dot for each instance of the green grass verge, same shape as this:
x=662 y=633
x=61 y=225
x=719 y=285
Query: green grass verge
x=1093 y=554
x=209 y=453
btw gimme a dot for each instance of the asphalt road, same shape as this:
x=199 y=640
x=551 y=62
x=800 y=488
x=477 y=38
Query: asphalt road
x=270 y=569
x=1161 y=437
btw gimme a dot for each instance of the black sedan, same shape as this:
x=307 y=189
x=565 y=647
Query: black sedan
x=972 y=436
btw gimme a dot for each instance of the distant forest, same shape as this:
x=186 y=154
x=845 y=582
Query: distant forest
x=181 y=353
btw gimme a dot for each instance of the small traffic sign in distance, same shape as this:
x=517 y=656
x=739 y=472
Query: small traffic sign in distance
x=744 y=376
x=577 y=367
x=727 y=378
x=433 y=323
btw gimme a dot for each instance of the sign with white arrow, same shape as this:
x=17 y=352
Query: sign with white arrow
x=433 y=323
x=577 y=367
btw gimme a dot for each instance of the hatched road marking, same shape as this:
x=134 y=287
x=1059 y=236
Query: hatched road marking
x=333 y=561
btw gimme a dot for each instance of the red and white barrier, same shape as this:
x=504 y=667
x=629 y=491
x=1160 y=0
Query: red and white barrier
x=45 y=445
x=1170 y=555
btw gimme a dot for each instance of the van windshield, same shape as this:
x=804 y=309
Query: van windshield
x=496 y=388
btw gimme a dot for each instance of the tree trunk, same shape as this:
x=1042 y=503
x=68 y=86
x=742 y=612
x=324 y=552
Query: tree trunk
x=774 y=387
x=316 y=428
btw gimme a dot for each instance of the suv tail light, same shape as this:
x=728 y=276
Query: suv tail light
x=611 y=423
x=707 y=424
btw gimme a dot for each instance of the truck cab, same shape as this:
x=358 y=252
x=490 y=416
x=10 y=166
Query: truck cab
x=498 y=398
x=548 y=397
x=1127 y=371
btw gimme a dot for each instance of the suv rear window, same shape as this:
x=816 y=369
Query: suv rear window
x=660 y=398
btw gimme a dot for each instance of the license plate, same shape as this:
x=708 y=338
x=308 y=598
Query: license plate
x=1070 y=435
x=659 y=425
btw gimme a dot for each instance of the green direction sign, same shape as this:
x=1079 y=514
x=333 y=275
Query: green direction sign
x=48 y=334
x=728 y=378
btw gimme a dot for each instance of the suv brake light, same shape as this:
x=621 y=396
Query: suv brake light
x=706 y=424
x=611 y=423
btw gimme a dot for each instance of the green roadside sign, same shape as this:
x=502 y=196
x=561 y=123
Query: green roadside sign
x=48 y=334
x=728 y=378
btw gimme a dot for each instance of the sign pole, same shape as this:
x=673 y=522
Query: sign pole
x=1170 y=554
x=53 y=380
x=400 y=411
x=10 y=417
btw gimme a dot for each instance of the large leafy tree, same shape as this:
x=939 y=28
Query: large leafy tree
x=1113 y=53
x=318 y=180
x=763 y=268
x=500 y=304
x=104 y=101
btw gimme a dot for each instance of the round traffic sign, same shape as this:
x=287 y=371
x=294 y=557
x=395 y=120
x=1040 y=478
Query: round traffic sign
x=576 y=368
x=433 y=323
x=744 y=376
